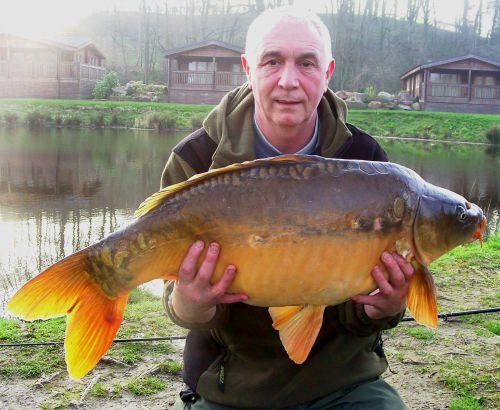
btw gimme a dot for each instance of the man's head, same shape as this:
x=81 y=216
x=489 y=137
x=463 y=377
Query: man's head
x=269 y=19
x=288 y=62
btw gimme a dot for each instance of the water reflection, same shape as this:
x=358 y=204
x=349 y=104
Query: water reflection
x=470 y=170
x=62 y=190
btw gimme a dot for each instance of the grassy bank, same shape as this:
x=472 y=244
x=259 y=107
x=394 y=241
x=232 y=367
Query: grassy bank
x=160 y=116
x=459 y=359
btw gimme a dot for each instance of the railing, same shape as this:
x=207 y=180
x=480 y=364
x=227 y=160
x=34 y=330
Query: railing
x=206 y=79
x=37 y=71
x=485 y=92
x=449 y=90
x=89 y=72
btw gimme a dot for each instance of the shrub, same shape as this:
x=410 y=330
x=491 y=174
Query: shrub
x=104 y=87
x=72 y=120
x=197 y=121
x=158 y=121
x=11 y=119
x=37 y=118
x=97 y=119
x=493 y=134
x=372 y=93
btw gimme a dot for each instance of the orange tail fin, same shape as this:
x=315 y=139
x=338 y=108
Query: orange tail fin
x=93 y=318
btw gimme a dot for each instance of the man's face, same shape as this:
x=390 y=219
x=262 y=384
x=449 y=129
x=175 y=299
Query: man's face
x=289 y=76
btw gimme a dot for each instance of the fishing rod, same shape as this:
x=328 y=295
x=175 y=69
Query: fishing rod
x=444 y=316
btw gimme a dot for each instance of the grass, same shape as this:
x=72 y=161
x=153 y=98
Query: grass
x=165 y=116
x=461 y=354
x=143 y=317
x=89 y=113
x=146 y=386
x=430 y=125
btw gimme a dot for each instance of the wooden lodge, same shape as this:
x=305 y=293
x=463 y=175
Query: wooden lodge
x=462 y=84
x=34 y=68
x=202 y=73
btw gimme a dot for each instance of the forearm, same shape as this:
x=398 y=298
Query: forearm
x=351 y=317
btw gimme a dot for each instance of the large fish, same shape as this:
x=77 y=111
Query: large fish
x=304 y=232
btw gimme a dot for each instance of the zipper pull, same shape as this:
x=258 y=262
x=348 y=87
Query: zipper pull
x=222 y=376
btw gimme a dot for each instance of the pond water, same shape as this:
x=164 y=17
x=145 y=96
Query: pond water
x=61 y=190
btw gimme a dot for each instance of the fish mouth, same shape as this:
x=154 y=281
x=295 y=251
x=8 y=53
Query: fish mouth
x=478 y=234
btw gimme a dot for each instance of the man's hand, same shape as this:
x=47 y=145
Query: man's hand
x=194 y=298
x=390 y=297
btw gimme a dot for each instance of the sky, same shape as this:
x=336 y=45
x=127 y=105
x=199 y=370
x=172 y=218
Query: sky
x=48 y=18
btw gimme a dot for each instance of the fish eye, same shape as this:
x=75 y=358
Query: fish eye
x=461 y=214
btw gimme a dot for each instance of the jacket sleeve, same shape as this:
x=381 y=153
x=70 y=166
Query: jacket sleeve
x=176 y=170
x=351 y=317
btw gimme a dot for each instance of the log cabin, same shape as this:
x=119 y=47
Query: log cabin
x=201 y=73
x=462 y=84
x=36 y=68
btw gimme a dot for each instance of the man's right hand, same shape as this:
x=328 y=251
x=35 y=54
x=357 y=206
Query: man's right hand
x=194 y=298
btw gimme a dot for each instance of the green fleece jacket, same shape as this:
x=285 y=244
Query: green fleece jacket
x=240 y=360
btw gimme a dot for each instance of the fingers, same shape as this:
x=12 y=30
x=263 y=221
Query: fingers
x=221 y=287
x=207 y=267
x=187 y=270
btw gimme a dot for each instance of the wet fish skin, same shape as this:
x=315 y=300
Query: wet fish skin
x=304 y=232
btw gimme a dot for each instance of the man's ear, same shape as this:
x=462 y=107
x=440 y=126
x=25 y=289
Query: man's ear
x=329 y=71
x=246 y=67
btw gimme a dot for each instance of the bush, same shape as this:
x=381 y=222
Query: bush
x=97 y=120
x=37 y=118
x=197 y=121
x=372 y=93
x=158 y=121
x=72 y=120
x=11 y=119
x=493 y=134
x=104 y=87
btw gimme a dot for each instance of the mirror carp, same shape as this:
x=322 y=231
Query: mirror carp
x=303 y=231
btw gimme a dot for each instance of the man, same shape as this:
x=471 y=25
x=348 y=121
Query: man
x=233 y=357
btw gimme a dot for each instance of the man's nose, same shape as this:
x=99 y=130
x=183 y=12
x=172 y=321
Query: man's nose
x=289 y=77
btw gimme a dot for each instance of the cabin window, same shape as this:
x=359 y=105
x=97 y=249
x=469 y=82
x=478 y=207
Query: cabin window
x=446 y=78
x=482 y=86
x=201 y=66
x=201 y=72
x=3 y=53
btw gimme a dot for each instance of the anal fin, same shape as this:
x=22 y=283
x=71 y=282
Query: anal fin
x=298 y=328
x=421 y=297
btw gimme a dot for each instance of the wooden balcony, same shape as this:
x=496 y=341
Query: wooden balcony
x=50 y=71
x=206 y=80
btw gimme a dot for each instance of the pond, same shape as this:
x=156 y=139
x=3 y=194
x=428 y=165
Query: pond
x=61 y=190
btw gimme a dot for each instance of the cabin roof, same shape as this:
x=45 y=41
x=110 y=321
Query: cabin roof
x=65 y=43
x=448 y=61
x=201 y=44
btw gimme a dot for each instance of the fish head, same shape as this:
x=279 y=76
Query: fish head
x=444 y=221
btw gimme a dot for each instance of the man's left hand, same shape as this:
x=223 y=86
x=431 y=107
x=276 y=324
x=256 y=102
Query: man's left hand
x=390 y=297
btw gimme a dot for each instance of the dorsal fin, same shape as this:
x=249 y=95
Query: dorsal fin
x=166 y=193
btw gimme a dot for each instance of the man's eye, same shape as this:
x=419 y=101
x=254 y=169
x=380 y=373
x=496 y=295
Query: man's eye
x=307 y=64
x=271 y=62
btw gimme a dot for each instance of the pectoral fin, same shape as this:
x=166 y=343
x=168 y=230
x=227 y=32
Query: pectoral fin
x=421 y=298
x=298 y=328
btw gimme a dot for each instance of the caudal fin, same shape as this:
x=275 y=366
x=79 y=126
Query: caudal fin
x=93 y=318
